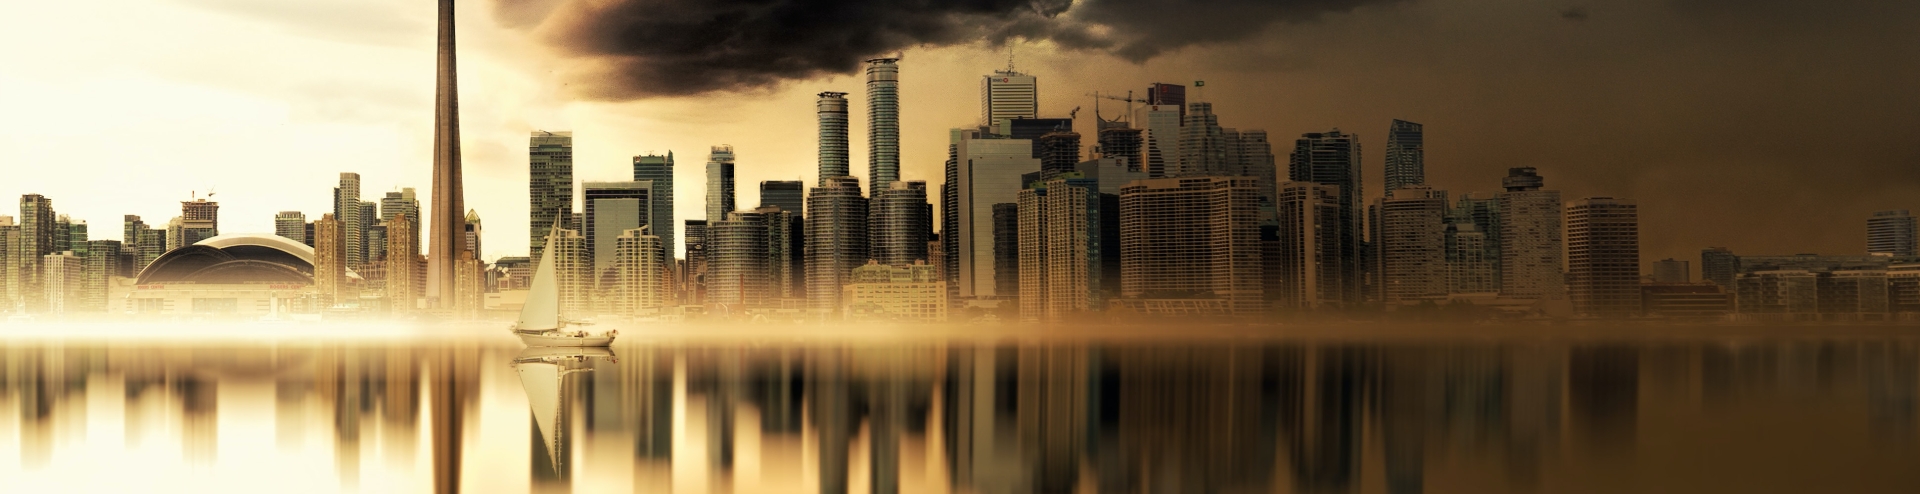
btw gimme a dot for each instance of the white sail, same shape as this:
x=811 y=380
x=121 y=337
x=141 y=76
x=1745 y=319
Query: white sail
x=542 y=381
x=542 y=311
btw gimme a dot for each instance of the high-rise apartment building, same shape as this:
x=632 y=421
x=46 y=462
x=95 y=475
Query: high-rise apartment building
x=1192 y=237
x=1333 y=158
x=836 y=239
x=549 y=186
x=1203 y=144
x=64 y=277
x=1060 y=263
x=1530 y=236
x=1672 y=270
x=985 y=172
x=1250 y=154
x=1893 y=233
x=103 y=264
x=899 y=224
x=788 y=195
x=1161 y=142
x=832 y=112
x=403 y=263
x=642 y=264
x=740 y=268
x=329 y=260
x=371 y=249
x=1406 y=155
x=694 y=275
x=1059 y=152
x=883 y=123
x=573 y=273
x=9 y=237
x=720 y=200
x=346 y=210
x=202 y=220
x=1124 y=145
x=786 y=249
x=403 y=202
x=1484 y=213
x=1469 y=268
x=1007 y=95
x=1308 y=270
x=612 y=208
x=1413 y=245
x=1006 y=250
x=289 y=224
x=1603 y=257
x=1720 y=266
x=659 y=170
x=27 y=280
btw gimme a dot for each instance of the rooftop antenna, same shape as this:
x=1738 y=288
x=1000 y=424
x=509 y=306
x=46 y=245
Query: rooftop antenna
x=1009 y=56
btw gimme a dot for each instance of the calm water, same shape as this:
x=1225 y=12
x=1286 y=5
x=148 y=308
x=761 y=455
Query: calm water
x=1804 y=410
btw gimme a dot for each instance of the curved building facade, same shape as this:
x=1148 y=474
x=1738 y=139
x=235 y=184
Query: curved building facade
x=244 y=275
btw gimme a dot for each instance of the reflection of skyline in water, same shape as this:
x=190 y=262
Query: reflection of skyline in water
x=1311 y=417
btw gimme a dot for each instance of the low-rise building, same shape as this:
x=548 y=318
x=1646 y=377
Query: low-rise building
x=911 y=293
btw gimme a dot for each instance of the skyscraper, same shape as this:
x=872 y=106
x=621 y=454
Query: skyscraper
x=201 y=220
x=472 y=231
x=739 y=267
x=1174 y=95
x=1192 y=237
x=402 y=202
x=1006 y=250
x=346 y=210
x=35 y=242
x=1007 y=95
x=1603 y=257
x=986 y=172
x=1252 y=156
x=329 y=260
x=1413 y=248
x=1893 y=233
x=573 y=270
x=64 y=277
x=788 y=195
x=832 y=111
x=289 y=224
x=1161 y=151
x=883 y=123
x=1059 y=152
x=103 y=264
x=1060 y=263
x=549 y=186
x=449 y=197
x=1203 y=144
x=1333 y=158
x=642 y=265
x=898 y=224
x=1469 y=268
x=694 y=276
x=836 y=240
x=1122 y=144
x=403 y=263
x=659 y=170
x=1530 y=236
x=1309 y=257
x=1406 y=155
x=612 y=208
x=1484 y=213
x=720 y=183
x=9 y=283
x=1720 y=266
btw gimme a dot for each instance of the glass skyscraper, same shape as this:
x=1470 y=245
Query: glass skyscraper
x=720 y=183
x=659 y=170
x=1406 y=155
x=883 y=124
x=549 y=187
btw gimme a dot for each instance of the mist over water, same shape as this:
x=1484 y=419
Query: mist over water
x=1012 y=409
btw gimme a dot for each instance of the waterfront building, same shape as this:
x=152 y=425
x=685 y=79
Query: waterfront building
x=899 y=293
x=899 y=223
x=1603 y=257
x=720 y=199
x=1333 y=158
x=1309 y=252
x=984 y=172
x=1406 y=155
x=1893 y=233
x=1192 y=238
x=1006 y=95
x=836 y=240
x=883 y=124
x=831 y=109
x=658 y=170
x=1413 y=245
x=289 y=224
x=1060 y=261
x=1531 y=246
x=549 y=187
x=346 y=210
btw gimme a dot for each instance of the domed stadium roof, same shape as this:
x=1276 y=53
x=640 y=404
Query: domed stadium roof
x=236 y=258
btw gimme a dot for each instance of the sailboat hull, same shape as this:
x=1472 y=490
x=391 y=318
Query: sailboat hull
x=554 y=340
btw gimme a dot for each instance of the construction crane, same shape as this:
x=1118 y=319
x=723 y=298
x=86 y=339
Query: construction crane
x=1097 y=96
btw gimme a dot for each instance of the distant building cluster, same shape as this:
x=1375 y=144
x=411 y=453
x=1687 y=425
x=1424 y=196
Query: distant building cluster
x=1162 y=211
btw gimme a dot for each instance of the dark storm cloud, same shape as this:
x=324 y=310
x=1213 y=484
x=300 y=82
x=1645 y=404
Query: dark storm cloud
x=644 y=48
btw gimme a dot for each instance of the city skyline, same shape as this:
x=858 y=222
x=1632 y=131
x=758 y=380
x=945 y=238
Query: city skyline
x=506 y=100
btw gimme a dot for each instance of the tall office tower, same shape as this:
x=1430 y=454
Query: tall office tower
x=720 y=182
x=612 y=208
x=898 y=224
x=642 y=268
x=573 y=272
x=1174 y=95
x=1469 y=269
x=375 y=237
x=549 y=186
x=1203 y=144
x=76 y=236
x=329 y=260
x=1672 y=270
x=1406 y=155
x=987 y=171
x=153 y=243
x=1161 y=143
x=289 y=224
x=832 y=111
x=1530 y=236
x=836 y=240
x=470 y=285
x=1006 y=250
x=346 y=210
x=694 y=276
x=1192 y=236
x=1253 y=155
x=1333 y=158
x=883 y=123
x=1413 y=245
x=62 y=228
x=1060 y=262
x=472 y=234
x=64 y=276
x=402 y=202
x=1007 y=95
x=788 y=195
x=1308 y=261
x=103 y=264
x=402 y=263
x=659 y=170
x=1032 y=129
x=174 y=234
x=739 y=271
x=1059 y=152
x=370 y=218
x=1122 y=144
x=785 y=251
x=35 y=242
x=449 y=196
x=1893 y=233
x=1484 y=213
x=1603 y=257
x=1720 y=266
x=937 y=256
x=9 y=238
x=200 y=220
x=131 y=226
x=950 y=211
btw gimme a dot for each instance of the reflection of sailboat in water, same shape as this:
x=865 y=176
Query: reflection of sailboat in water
x=543 y=372
x=540 y=323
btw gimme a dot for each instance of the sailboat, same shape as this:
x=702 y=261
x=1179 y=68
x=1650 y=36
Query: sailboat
x=540 y=323
x=543 y=372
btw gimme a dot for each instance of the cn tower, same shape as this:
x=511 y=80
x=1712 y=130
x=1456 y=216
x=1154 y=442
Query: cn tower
x=448 y=217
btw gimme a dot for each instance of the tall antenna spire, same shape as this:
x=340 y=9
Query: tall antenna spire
x=1009 y=56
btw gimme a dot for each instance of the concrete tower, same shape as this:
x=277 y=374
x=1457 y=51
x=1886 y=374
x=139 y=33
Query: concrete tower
x=448 y=218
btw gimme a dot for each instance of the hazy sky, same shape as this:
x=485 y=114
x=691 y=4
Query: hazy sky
x=1768 y=126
